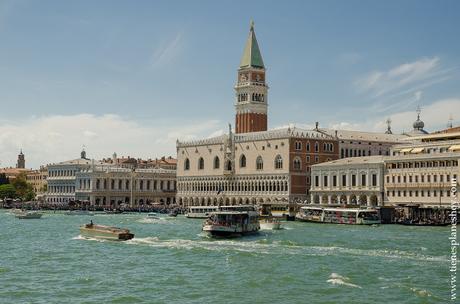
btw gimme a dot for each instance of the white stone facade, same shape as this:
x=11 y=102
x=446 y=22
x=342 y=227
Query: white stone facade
x=356 y=181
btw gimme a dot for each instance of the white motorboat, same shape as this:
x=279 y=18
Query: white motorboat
x=24 y=215
x=231 y=221
x=201 y=212
x=79 y=212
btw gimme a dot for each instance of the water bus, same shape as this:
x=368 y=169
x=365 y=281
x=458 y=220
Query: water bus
x=351 y=216
x=232 y=221
x=105 y=232
x=270 y=223
x=201 y=212
x=281 y=210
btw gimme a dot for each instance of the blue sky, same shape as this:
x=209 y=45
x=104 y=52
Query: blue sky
x=74 y=73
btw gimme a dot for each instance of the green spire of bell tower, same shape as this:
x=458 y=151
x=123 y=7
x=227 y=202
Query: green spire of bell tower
x=251 y=55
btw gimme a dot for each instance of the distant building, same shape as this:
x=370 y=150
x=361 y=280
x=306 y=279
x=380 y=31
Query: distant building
x=12 y=173
x=358 y=143
x=112 y=186
x=38 y=180
x=418 y=126
x=422 y=172
x=21 y=164
x=62 y=178
x=356 y=181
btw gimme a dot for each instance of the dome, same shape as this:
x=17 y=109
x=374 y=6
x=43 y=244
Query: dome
x=418 y=124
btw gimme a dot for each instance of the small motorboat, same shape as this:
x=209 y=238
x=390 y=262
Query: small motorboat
x=270 y=223
x=79 y=212
x=25 y=215
x=114 y=211
x=105 y=232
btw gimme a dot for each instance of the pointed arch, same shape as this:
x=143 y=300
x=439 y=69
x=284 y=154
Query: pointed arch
x=278 y=162
x=243 y=161
x=259 y=163
x=216 y=162
x=187 y=164
x=201 y=163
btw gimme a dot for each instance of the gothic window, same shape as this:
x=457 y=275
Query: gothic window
x=216 y=162
x=278 y=162
x=307 y=146
x=187 y=164
x=201 y=163
x=228 y=166
x=259 y=163
x=243 y=161
x=316 y=147
x=298 y=145
x=297 y=163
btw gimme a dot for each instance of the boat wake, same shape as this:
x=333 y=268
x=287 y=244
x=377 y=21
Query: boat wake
x=259 y=246
x=85 y=238
x=336 y=279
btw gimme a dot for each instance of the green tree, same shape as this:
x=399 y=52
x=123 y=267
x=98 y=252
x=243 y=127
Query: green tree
x=7 y=191
x=24 y=190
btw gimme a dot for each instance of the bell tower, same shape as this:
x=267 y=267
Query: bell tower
x=251 y=90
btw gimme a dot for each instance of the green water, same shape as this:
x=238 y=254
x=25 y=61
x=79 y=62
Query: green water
x=170 y=261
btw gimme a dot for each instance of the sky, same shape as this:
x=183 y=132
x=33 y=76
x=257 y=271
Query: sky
x=132 y=77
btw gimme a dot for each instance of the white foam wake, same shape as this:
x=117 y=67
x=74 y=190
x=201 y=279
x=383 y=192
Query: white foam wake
x=336 y=279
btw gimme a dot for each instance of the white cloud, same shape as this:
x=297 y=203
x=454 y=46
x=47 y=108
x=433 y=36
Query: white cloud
x=435 y=116
x=420 y=73
x=51 y=139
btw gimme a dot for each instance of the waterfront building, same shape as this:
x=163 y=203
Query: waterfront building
x=358 y=143
x=112 y=186
x=62 y=177
x=38 y=180
x=421 y=172
x=168 y=163
x=356 y=181
x=12 y=173
x=252 y=165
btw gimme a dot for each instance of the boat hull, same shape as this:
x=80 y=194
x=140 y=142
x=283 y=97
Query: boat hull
x=228 y=231
x=106 y=234
x=29 y=216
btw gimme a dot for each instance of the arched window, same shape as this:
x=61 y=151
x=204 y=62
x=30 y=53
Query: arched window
x=297 y=163
x=216 y=162
x=316 y=147
x=307 y=146
x=228 y=166
x=298 y=145
x=187 y=164
x=243 y=161
x=259 y=163
x=201 y=163
x=278 y=162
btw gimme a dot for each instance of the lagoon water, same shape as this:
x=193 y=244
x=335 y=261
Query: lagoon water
x=171 y=261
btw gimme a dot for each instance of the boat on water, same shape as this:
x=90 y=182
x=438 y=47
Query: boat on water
x=350 y=216
x=232 y=221
x=114 y=211
x=201 y=212
x=79 y=212
x=24 y=215
x=105 y=232
x=270 y=223
x=281 y=210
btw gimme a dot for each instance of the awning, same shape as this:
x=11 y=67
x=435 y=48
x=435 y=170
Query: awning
x=406 y=150
x=417 y=150
x=454 y=148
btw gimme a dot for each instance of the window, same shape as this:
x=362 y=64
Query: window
x=344 y=180
x=316 y=159
x=307 y=146
x=353 y=180
x=298 y=145
x=316 y=181
x=259 y=163
x=316 y=147
x=216 y=162
x=187 y=164
x=297 y=163
x=363 y=180
x=307 y=159
x=325 y=181
x=374 y=180
x=243 y=161
x=201 y=163
x=278 y=162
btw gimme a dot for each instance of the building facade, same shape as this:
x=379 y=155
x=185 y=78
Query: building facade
x=422 y=172
x=38 y=180
x=62 y=178
x=113 y=186
x=355 y=181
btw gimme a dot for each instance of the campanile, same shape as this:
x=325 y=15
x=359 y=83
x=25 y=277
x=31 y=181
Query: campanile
x=251 y=90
